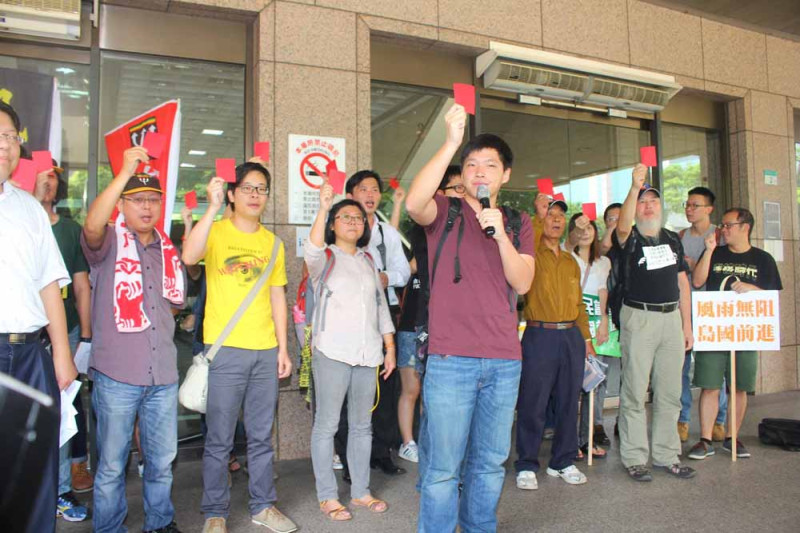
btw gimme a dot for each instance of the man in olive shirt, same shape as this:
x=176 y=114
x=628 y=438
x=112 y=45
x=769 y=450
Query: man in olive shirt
x=554 y=347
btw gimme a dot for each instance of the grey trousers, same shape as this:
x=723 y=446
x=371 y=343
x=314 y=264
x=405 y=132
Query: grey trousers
x=240 y=378
x=652 y=349
x=332 y=381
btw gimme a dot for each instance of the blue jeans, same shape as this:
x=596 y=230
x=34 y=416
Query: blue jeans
x=469 y=409
x=686 y=395
x=116 y=405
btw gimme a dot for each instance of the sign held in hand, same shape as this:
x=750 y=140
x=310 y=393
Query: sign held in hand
x=261 y=149
x=464 y=94
x=226 y=169
x=647 y=155
x=190 y=199
x=154 y=143
x=590 y=210
x=25 y=175
x=336 y=178
x=42 y=160
x=545 y=186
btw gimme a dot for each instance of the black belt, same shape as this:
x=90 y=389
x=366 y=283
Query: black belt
x=550 y=325
x=21 y=338
x=658 y=308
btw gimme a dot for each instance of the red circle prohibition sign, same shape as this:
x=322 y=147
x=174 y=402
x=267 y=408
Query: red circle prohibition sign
x=309 y=168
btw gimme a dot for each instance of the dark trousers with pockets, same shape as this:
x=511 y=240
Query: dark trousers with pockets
x=552 y=365
x=32 y=364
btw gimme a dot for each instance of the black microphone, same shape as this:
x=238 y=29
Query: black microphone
x=483 y=198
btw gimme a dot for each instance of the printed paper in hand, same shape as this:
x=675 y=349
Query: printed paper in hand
x=69 y=427
x=82 y=357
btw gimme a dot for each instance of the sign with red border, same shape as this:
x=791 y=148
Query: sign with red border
x=309 y=156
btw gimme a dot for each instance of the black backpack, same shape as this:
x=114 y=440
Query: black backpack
x=621 y=264
x=782 y=432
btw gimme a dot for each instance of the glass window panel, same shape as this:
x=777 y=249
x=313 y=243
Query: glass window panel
x=212 y=98
x=73 y=87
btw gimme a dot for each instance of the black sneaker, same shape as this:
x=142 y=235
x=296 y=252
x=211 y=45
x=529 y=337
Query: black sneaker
x=678 y=470
x=172 y=527
x=701 y=450
x=600 y=436
x=741 y=451
x=640 y=473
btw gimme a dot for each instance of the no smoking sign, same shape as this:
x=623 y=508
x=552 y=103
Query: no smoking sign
x=309 y=156
x=312 y=168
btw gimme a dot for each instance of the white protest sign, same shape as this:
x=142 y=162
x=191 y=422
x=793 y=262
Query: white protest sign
x=727 y=321
x=309 y=156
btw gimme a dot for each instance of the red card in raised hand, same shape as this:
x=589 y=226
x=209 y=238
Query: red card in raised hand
x=261 y=149
x=393 y=183
x=42 y=160
x=590 y=210
x=559 y=196
x=545 y=186
x=154 y=143
x=337 y=178
x=25 y=175
x=226 y=169
x=465 y=95
x=190 y=199
x=647 y=155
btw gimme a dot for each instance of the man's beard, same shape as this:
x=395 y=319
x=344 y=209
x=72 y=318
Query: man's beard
x=651 y=225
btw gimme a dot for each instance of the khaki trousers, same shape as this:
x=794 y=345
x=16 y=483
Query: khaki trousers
x=652 y=351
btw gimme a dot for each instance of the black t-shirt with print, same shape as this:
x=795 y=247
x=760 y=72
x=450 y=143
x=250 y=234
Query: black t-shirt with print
x=755 y=266
x=656 y=262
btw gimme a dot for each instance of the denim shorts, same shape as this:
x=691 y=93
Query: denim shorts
x=406 y=349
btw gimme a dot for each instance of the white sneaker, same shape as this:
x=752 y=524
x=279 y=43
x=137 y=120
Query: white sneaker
x=526 y=480
x=570 y=474
x=337 y=462
x=409 y=452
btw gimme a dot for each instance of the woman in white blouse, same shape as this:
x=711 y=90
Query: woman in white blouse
x=351 y=329
x=585 y=247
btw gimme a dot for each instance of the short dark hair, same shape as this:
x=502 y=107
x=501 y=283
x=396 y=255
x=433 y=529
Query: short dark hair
x=744 y=216
x=360 y=176
x=615 y=205
x=705 y=192
x=330 y=236
x=451 y=172
x=489 y=140
x=8 y=110
x=243 y=170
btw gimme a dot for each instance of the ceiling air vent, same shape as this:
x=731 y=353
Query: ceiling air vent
x=54 y=19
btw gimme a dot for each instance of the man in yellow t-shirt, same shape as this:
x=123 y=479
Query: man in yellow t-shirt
x=245 y=372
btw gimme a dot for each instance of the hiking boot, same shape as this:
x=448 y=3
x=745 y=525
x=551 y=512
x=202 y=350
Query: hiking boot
x=82 y=480
x=274 y=520
x=570 y=474
x=678 y=470
x=741 y=451
x=683 y=431
x=526 y=480
x=718 y=433
x=70 y=509
x=701 y=450
x=409 y=452
x=215 y=524
x=640 y=473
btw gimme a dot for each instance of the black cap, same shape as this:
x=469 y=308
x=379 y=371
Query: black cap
x=560 y=203
x=142 y=182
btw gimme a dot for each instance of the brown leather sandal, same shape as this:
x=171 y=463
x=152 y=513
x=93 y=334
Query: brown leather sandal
x=338 y=513
x=373 y=504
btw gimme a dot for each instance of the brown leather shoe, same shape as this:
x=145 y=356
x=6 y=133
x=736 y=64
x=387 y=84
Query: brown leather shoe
x=683 y=431
x=82 y=480
x=215 y=524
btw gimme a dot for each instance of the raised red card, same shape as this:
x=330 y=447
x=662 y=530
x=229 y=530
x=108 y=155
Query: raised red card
x=545 y=186
x=42 y=160
x=337 y=178
x=25 y=175
x=226 y=169
x=154 y=143
x=190 y=199
x=393 y=183
x=465 y=96
x=647 y=155
x=590 y=210
x=261 y=149
x=559 y=196
x=331 y=167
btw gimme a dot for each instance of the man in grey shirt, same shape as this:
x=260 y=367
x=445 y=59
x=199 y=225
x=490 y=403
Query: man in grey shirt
x=699 y=205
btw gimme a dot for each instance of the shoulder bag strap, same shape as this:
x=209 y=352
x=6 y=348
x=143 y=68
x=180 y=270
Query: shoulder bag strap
x=254 y=290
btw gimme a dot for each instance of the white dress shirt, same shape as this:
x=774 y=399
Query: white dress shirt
x=351 y=321
x=396 y=268
x=29 y=261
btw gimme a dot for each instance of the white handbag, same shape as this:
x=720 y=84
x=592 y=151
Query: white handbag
x=194 y=389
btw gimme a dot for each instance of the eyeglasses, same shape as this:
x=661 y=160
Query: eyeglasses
x=139 y=201
x=687 y=205
x=11 y=138
x=351 y=219
x=460 y=189
x=249 y=189
x=729 y=225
